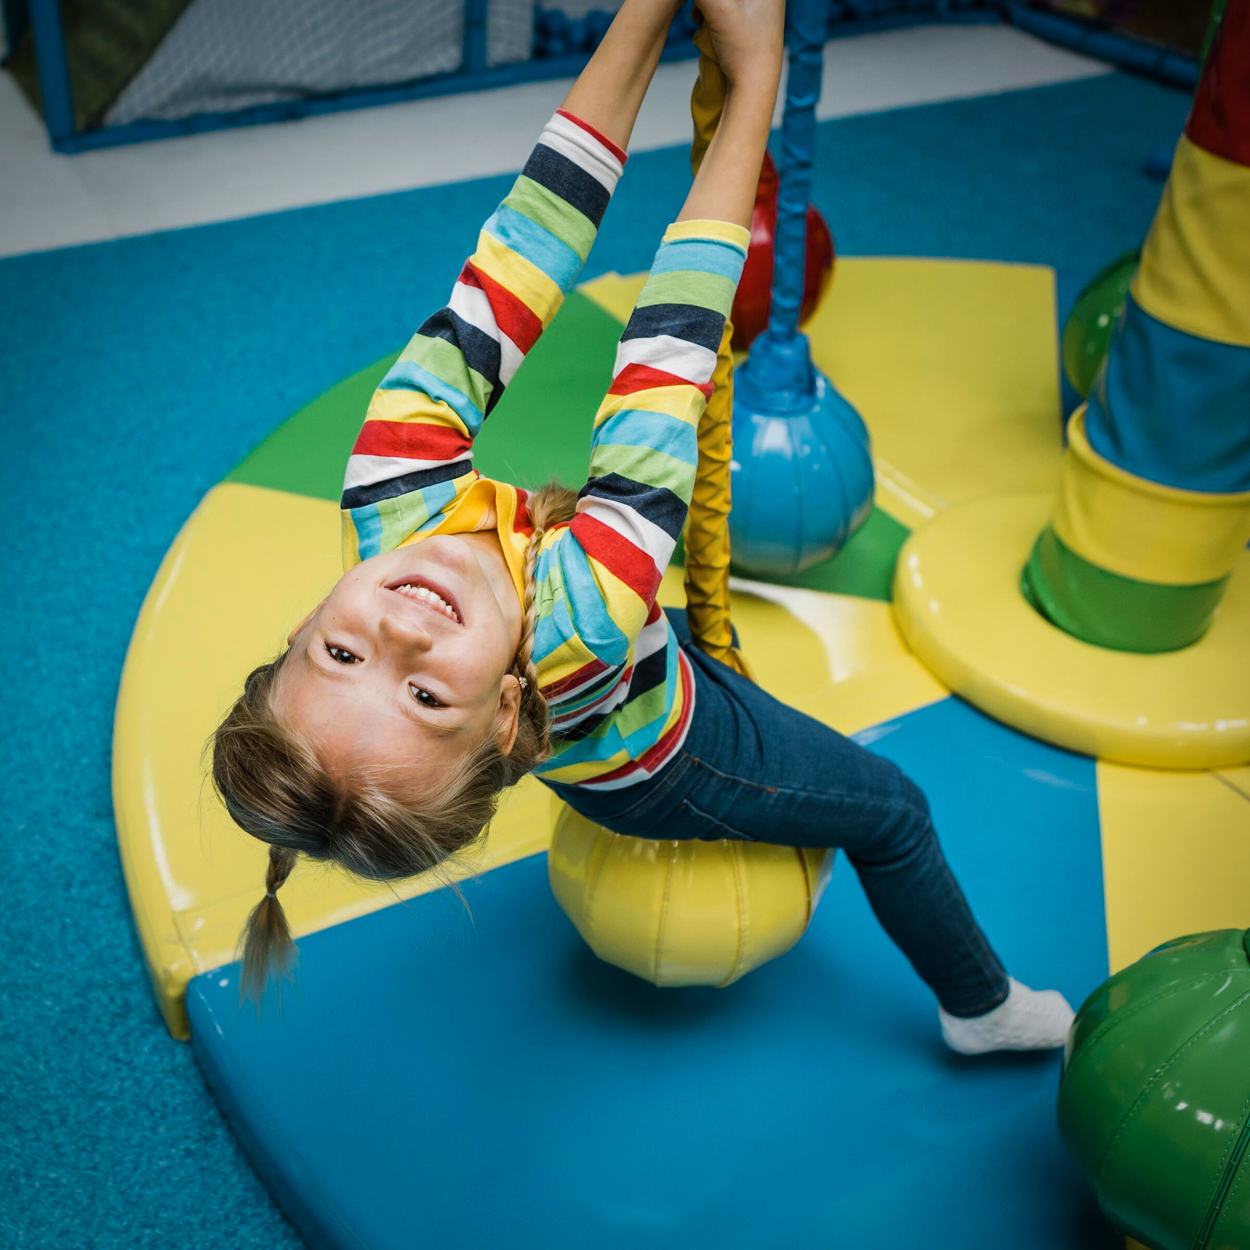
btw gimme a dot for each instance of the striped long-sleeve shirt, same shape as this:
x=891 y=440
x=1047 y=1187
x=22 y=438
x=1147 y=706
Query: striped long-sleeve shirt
x=619 y=689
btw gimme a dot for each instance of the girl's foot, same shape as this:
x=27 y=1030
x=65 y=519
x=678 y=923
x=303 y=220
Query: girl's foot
x=1025 y=1020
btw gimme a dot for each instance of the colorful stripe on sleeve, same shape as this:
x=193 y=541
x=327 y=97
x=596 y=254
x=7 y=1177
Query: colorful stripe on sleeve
x=644 y=445
x=413 y=458
x=619 y=689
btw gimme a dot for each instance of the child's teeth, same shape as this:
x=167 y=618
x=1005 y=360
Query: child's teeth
x=430 y=597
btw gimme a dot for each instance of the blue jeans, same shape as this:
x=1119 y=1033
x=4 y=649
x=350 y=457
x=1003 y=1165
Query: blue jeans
x=755 y=769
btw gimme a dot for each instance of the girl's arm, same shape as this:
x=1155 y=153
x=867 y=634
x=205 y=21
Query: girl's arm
x=609 y=91
x=413 y=457
x=601 y=576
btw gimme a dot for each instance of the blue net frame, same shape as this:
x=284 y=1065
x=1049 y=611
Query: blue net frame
x=561 y=46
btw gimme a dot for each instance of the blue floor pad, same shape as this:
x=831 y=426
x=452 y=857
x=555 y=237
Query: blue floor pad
x=134 y=374
x=491 y=1083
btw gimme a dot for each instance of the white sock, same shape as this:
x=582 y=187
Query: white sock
x=1025 y=1020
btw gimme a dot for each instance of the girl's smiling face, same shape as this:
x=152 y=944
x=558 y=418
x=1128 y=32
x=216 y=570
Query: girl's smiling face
x=404 y=668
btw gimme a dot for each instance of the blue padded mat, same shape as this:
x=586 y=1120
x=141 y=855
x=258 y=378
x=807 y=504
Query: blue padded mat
x=433 y=1081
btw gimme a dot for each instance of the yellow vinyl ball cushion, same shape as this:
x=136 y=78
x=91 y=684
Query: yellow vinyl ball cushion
x=683 y=913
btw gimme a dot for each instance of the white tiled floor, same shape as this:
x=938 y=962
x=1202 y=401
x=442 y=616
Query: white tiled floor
x=49 y=201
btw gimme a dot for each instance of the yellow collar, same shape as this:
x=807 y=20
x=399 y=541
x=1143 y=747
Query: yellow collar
x=487 y=500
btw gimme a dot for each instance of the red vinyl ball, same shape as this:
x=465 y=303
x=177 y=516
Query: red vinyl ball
x=754 y=297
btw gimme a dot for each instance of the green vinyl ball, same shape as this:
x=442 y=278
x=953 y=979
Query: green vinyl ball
x=1090 y=325
x=1154 y=1100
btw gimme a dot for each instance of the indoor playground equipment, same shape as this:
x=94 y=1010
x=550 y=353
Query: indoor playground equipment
x=516 y=1090
x=1142 y=36
x=802 y=480
x=687 y=912
x=1155 y=1098
x=106 y=74
x=1156 y=1090
x=1088 y=330
x=753 y=300
x=1118 y=625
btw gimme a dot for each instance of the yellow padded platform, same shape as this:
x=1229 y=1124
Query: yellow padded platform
x=958 y=602
x=953 y=365
x=250 y=561
x=246 y=566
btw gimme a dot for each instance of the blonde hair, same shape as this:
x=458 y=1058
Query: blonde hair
x=273 y=785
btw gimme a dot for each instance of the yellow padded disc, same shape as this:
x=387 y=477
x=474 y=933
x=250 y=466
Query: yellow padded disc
x=957 y=600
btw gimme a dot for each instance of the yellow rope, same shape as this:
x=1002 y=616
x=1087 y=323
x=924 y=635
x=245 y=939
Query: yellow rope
x=707 y=523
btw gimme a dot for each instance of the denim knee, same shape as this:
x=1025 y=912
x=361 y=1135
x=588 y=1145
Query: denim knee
x=911 y=794
x=905 y=827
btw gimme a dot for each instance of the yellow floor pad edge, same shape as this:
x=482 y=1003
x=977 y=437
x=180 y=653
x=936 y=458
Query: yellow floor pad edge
x=246 y=566
x=1176 y=854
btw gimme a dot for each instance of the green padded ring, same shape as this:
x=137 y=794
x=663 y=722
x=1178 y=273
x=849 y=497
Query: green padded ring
x=1108 y=610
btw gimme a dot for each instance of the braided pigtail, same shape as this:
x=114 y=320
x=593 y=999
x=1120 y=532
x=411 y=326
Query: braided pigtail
x=523 y=668
x=267 y=945
x=549 y=506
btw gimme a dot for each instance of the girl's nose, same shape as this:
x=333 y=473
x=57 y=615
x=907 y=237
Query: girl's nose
x=404 y=631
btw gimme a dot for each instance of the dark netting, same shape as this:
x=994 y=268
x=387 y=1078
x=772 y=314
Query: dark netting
x=224 y=55
x=1178 y=24
x=164 y=61
x=107 y=42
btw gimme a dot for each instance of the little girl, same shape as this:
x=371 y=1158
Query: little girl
x=481 y=633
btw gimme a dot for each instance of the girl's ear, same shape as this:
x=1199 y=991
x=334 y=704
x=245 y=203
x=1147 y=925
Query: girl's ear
x=508 y=718
x=290 y=638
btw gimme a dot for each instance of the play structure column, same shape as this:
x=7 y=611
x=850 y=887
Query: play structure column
x=1112 y=618
x=1154 y=510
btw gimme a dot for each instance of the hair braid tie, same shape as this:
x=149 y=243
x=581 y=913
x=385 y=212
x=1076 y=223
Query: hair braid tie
x=267 y=945
x=281 y=861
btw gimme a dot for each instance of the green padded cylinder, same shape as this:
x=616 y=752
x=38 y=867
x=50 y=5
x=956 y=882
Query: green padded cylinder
x=1111 y=611
x=1155 y=1093
x=1091 y=323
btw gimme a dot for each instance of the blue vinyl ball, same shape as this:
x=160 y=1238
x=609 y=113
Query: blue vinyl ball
x=802 y=479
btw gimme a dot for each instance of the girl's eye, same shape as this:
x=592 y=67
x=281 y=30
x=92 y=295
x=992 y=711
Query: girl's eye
x=341 y=655
x=423 y=697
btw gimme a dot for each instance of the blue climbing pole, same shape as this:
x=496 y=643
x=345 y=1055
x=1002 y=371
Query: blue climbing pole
x=802 y=480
